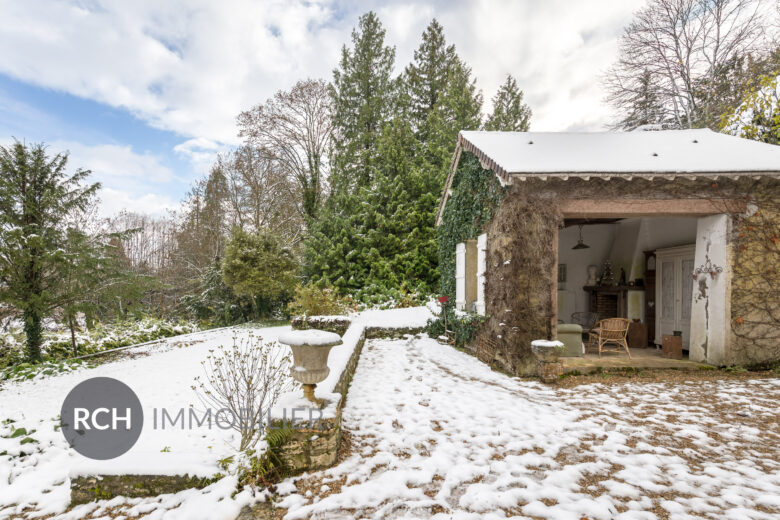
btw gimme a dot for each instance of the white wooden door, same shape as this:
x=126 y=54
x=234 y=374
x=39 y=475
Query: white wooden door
x=674 y=291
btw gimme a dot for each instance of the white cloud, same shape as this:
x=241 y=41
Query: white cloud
x=112 y=164
x=191 y=66
x=129 y=180
x=201 y=152
x=113 y=201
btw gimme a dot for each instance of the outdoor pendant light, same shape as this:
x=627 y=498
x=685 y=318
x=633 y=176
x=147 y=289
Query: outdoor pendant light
x=580 y=243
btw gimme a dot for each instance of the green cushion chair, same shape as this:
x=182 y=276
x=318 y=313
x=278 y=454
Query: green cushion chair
x=571 y=336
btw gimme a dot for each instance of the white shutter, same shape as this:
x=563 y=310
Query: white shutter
x=481 y=270
x=460 y=276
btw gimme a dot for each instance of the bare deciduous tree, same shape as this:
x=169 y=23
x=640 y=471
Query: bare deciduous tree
x=260 y=196
x=680 y=47
x=294 y=128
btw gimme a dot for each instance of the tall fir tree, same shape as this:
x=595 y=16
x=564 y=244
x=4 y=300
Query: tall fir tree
x=401 y=238
x=376 y=234
x=363 y=95
x=459 y=108
x=426 y=77
x=509 y=114
x=37 y=197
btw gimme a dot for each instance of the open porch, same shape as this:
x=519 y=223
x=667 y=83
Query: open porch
x=641 y=358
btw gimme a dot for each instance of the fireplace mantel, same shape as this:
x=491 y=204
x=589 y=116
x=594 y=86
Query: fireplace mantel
x=609 y=300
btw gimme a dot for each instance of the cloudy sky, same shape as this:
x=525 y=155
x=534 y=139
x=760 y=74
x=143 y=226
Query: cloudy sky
x=144 y=93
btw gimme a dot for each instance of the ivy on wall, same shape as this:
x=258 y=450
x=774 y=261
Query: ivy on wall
x=476 y=194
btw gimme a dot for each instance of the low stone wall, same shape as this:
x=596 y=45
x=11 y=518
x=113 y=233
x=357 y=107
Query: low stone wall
x=390 y=333
x=87 y=489
x=311 y=449
x=338 y=325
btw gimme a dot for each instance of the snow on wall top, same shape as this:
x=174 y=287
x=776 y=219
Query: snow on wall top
x=313 y=337
x=658 y=151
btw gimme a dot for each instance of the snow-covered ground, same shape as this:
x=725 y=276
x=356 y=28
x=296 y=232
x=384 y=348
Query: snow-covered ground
x=435 y=434
x=37 y=472
x=438 y=435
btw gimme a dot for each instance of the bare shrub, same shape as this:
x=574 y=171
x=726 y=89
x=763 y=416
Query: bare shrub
x=245 y=380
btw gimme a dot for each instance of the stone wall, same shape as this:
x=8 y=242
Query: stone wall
x=518 y=284
x=336 y=324
x=520 y=258
x=754 y=299
x=87 y=489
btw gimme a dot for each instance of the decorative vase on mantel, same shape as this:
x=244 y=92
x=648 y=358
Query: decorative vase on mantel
x=592 y=275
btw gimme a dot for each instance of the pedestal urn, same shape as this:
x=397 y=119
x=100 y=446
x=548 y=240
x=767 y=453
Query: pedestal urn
x=310 y=350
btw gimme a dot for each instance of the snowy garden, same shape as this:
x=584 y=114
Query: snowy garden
x=326 y=258
x=432 y=433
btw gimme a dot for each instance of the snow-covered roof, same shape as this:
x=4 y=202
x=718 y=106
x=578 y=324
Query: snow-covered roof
x=643 y=153
x=664 y=151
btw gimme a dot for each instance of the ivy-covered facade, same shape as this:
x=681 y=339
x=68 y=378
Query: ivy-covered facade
x=519 y=213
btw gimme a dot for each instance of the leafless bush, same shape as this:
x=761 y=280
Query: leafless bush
x=246 y=380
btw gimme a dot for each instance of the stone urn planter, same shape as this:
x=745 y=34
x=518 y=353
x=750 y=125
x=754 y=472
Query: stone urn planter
x=548 y=364
x=310 y=350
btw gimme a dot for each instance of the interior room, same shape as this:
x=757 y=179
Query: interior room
x=610 y=268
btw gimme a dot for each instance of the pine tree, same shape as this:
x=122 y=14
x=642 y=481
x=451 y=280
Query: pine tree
x=36 y=198
x=426 y=77
x=90 y=268
x=401 y=241
x=510 y=114
x=257 y=266
x=376 y=233
x=363 y=96
x=644 y=104
x=458 y=108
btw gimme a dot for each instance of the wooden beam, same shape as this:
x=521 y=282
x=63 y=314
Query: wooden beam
x=613 y=208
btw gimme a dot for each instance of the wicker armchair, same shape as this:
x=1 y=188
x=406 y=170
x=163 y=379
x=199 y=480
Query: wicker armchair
x=610 y=331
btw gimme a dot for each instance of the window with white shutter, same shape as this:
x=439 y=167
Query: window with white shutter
x=460 y=276
x=481 y=270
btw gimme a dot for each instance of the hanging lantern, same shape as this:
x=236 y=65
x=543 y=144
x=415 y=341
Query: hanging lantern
x=580 y=243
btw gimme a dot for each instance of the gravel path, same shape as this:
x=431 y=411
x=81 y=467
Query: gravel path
x=435 y=434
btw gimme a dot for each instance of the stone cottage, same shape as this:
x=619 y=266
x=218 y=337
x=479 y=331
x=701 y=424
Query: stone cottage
x=676 y=230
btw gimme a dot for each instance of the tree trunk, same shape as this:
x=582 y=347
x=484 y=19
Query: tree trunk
x=72 y=327
x=89 y=319
x=34 y=333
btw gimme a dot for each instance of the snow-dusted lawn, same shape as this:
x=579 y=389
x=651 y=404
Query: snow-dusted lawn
x=437 y=434
x=161 y=375
x=37 y=474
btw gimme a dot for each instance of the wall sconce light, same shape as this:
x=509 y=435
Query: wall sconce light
x=707 y=268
